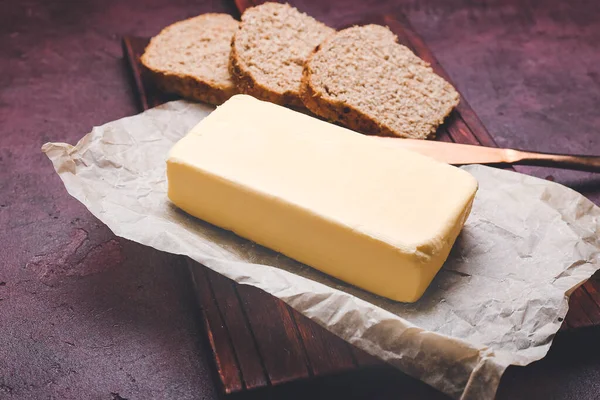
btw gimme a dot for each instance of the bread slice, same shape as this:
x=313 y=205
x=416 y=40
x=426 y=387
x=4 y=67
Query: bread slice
x=269 y=50
x=363 y=79
x=190 y=58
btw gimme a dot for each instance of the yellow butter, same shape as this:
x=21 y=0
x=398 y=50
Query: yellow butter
x=378 y=217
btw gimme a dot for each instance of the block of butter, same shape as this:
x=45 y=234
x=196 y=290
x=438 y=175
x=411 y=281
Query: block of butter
x=352 y=206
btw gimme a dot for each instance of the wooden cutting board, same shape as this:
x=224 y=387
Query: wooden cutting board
x=256 y=339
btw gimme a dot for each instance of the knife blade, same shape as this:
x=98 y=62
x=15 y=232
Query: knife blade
x=462 y=154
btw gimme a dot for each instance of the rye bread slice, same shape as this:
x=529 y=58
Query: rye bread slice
x=190 y=58
x=269 y=49
x=362 y=78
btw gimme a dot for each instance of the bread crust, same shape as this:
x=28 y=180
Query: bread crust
x=190 y=87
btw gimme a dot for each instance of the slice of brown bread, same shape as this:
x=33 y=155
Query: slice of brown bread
x=363 y=79
x=269 y=50
x=190 y=58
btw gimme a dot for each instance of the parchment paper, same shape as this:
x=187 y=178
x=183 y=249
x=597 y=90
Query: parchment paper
x=498 y=300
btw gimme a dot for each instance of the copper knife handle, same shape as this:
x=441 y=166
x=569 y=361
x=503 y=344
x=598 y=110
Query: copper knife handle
x=576 y=162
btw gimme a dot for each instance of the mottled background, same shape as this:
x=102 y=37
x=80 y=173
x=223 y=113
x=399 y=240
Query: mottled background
x=85 y=315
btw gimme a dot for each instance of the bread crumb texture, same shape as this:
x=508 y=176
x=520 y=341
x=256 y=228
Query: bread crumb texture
x=362 y=78
x=191 y=58
x=270 y=48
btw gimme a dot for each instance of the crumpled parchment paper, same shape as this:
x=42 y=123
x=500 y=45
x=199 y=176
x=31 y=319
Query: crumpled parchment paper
x=498 y=300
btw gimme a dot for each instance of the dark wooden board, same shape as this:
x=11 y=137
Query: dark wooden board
x=257 y=340
x=242 y=337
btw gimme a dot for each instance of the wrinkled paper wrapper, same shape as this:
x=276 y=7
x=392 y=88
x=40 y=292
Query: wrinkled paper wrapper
x=498 y=300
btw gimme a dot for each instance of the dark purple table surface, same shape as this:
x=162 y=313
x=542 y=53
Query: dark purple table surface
x=86 y=315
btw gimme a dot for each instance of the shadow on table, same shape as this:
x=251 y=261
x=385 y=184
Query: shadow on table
x=556 y=376
x=372 y=383
x=570 y=370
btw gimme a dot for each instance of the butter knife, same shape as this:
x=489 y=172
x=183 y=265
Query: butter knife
x=461 y=154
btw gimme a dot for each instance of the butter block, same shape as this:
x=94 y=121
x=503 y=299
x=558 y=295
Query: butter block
x=352 y=206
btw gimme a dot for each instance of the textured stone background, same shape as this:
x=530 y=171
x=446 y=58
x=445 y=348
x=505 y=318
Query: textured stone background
x=85 y=315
